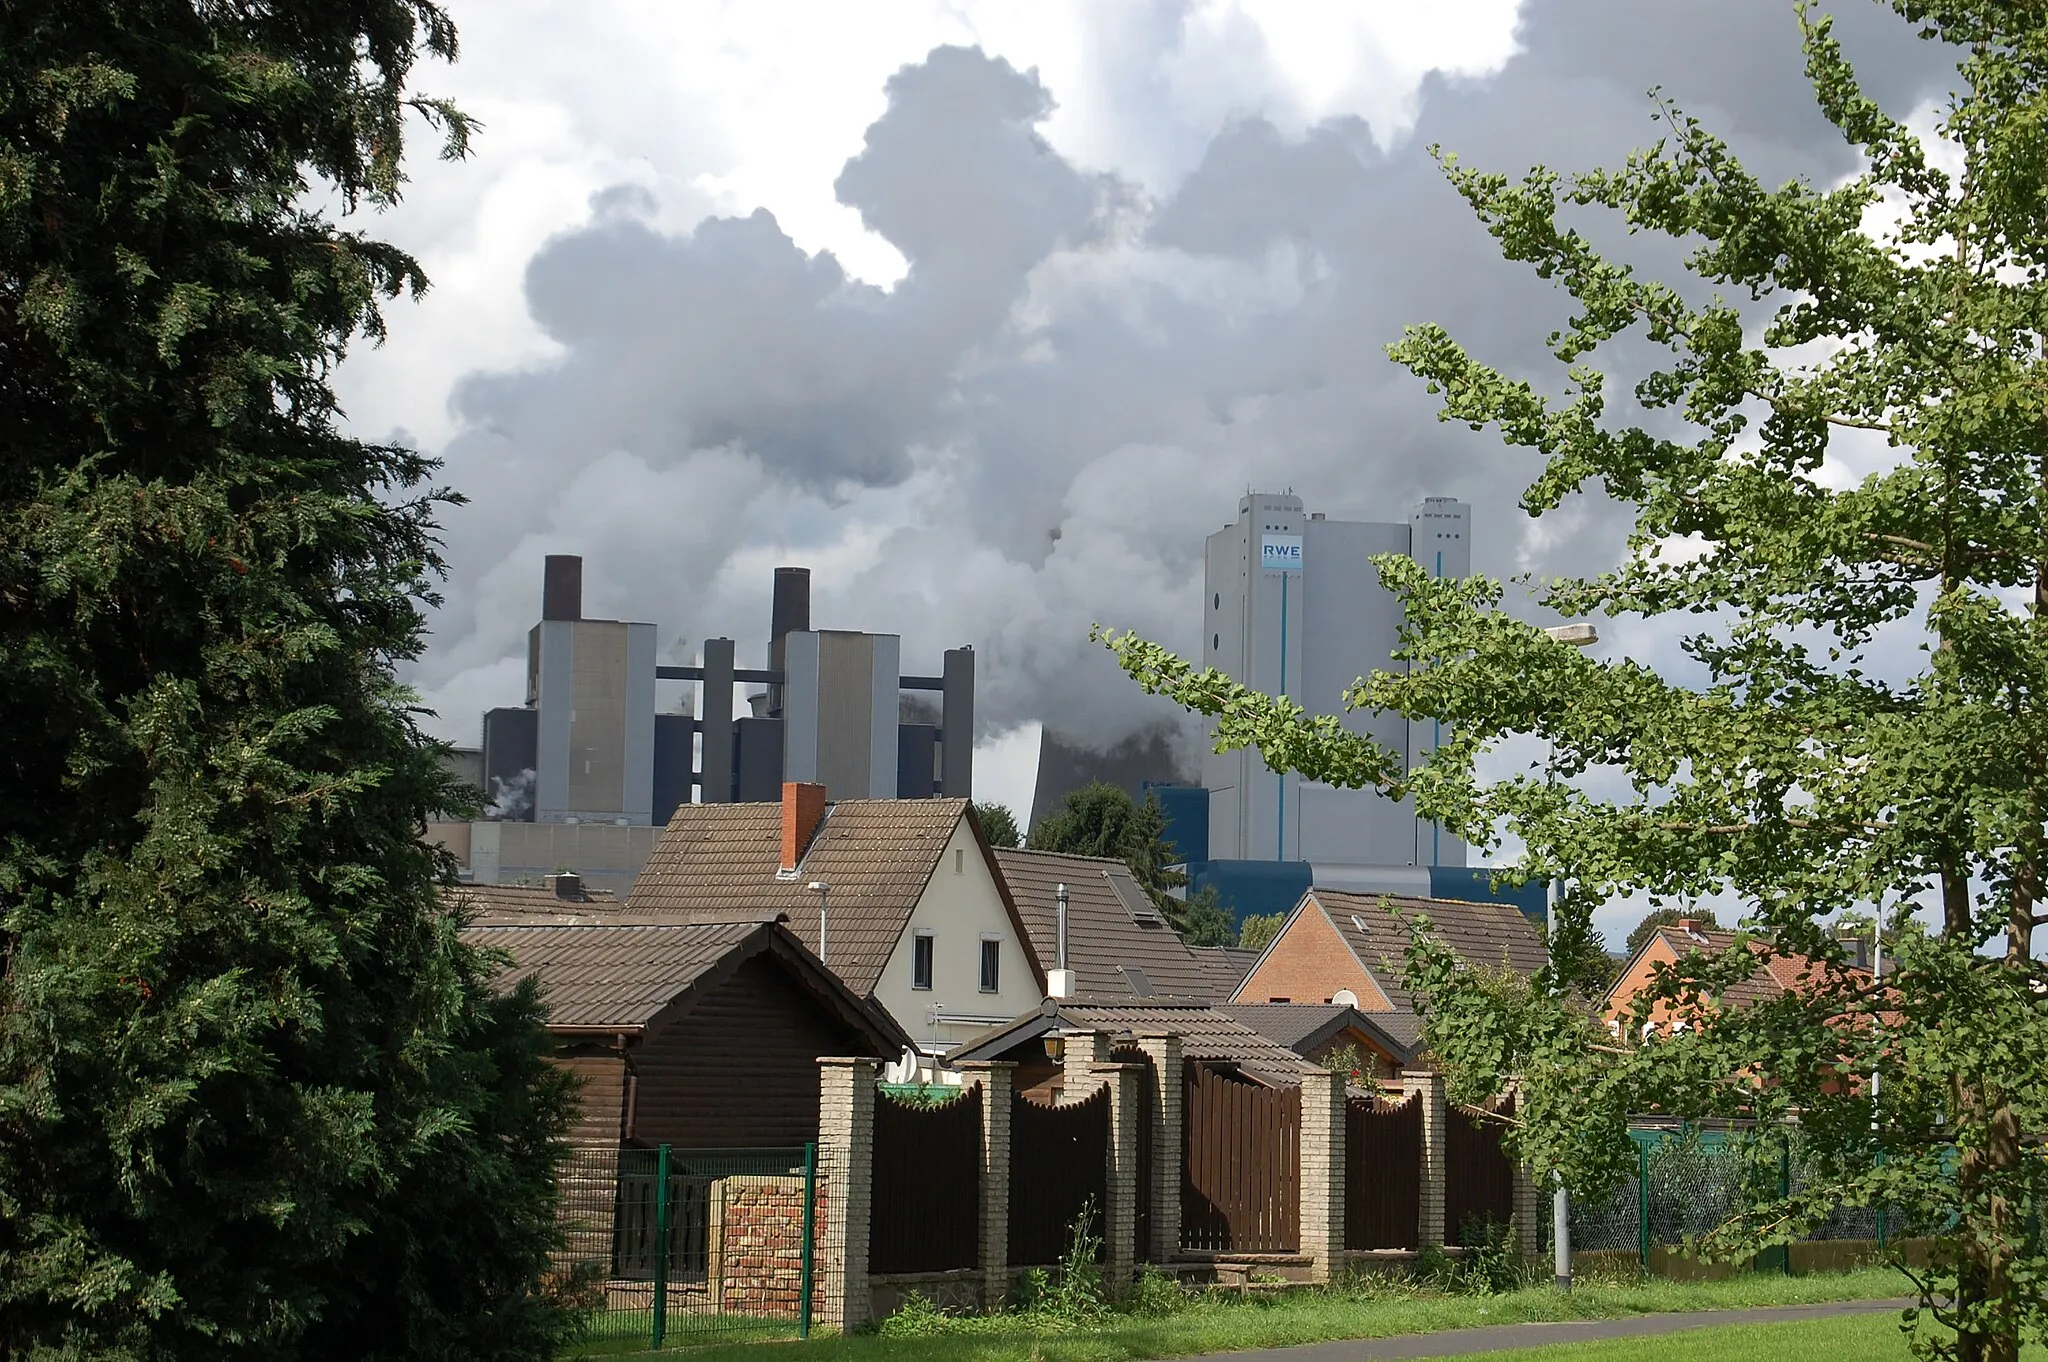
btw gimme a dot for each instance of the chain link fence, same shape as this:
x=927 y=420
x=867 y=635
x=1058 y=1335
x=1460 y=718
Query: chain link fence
x=668 y=1246
x=1690 y=1182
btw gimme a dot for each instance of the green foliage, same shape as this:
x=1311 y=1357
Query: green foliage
x=1346 y=1062
x=256 y=1098
x=1640 y=935
x=998 y=824
x=1257 y=930
x=1816 y=766
x=1099 y=819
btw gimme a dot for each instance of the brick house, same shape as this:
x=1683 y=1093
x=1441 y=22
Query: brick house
x=1349 y=949
x=1774 y=976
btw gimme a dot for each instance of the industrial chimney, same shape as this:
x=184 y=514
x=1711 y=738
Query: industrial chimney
x=790 y=613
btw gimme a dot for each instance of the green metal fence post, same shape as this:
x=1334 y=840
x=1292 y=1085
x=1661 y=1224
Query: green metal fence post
x=1785 y=1187
x=661 y=1211
x=1643 y=1202
x=803 y=1318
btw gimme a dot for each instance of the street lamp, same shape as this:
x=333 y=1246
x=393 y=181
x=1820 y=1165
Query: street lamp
x=822 y=890
x=1578 y=635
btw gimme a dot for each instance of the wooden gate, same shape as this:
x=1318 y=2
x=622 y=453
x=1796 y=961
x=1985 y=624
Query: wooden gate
x=1479 y=1179
x=925 y=1215
x=1383 y=1173
x=1241 y=1174
x=1059 y=1167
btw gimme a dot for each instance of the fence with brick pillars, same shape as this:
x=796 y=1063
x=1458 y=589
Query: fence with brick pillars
x=1083 y=1053
x=997 y=1082
x=1120 y=1240
x=1435 y=1157
x=1322 y=1172
x=1168 y=1108
x=846 y=1149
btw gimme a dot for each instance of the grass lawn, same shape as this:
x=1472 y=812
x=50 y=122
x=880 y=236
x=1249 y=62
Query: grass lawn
x=1853 y=1338
x=1222 y=1323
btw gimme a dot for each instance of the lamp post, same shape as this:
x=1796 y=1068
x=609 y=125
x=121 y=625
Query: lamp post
x=1580 y=635
x=823 y=891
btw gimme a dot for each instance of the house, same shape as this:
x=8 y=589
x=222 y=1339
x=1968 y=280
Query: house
x=1775 y=974
x=1035 y=1041
x=1349 y=948
x=698 y=1035
x=1119 y=946
x=902 y=899
x=1319 y=1032
x=1225 y=968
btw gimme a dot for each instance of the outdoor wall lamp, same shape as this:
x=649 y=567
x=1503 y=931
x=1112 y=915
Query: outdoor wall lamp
x=1055 y=1045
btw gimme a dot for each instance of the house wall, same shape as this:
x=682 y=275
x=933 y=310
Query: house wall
x=740 y=1069
x=1309 y=963
x=602 y=1078
x=1621 y=998
x=959 y=904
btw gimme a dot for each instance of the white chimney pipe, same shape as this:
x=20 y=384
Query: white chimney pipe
x=1060 y=982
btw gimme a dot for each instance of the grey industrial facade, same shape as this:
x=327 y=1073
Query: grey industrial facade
x=830 y=708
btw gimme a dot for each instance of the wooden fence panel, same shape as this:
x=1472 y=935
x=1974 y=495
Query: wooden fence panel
x=1383 y=1173
x=1241 y=1168
x=926 y=1210
x=1479 y=1178
x=1059 y=1167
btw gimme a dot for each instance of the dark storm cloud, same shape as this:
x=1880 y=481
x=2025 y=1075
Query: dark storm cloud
x=1036 y=427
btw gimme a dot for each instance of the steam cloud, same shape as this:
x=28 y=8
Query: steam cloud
x=1037 y=426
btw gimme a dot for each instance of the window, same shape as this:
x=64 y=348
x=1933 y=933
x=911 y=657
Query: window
x=991 y=963
x=959 y=861
x=921 y=961
x=1219 y=600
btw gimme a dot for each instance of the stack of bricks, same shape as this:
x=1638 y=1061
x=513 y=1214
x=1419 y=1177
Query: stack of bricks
x=1434 y=1153
x=846 y=1152
x=998 y=1081
x=757 y=1233
x=1322 y=1172
x=1169 y=1104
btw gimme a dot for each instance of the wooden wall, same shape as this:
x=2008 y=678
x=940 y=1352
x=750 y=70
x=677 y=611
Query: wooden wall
x=740 y=1069
x=603 y=1076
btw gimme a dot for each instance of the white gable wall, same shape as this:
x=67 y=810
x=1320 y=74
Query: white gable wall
x=959 y=906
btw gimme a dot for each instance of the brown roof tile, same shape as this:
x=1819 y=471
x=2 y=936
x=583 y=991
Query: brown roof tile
x=721 y=861
x=1118 y=945
x=1206 y=1035
x=1300 y=1026
x=1225 y=968
x=524 y=903
x=612 y=976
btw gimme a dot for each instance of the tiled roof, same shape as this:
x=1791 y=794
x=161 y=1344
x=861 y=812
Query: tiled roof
x=485 y=902
x=1775 y=974
x=614 y=976
x=1206 y=1034
x=720 y=862
x=1300 y=1026
x=631 y=976
x=1479 y=934
x=1118 y=945
x=1224 y=967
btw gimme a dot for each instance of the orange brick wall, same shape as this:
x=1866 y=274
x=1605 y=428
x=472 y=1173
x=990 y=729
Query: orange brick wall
x=761 y=1244
x=1309 y=964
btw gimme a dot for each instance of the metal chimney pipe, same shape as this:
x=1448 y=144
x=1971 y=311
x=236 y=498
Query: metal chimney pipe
x=1059 y=898
x=823 y=891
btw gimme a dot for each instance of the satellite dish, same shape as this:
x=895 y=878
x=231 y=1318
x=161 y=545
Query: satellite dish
x=903 y=1070
x=1344 y=997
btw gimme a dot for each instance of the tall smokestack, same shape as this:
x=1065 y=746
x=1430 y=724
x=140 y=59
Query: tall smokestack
x=790 y=613
x=561 y=587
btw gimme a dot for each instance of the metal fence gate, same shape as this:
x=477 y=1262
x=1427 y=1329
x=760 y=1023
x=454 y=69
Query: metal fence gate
x=925 y=1211
x=1383 y=1173
x=1059 y=1170
x=713 y=1244
x=1479 y=1177
x=1241 y=1174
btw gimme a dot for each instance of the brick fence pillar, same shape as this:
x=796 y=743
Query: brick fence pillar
x=1167 y=1114
x=1322 y=1172
x=1120 y=1217
x=1434 y=1155
x=998 y=1081
x=1083 y=1053
x=846 y=1167
x=1528 y=1200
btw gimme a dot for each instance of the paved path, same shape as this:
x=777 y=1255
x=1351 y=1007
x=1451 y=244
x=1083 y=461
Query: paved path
x=1461 y=1342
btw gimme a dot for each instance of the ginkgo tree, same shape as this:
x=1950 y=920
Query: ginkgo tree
x=1812 y=771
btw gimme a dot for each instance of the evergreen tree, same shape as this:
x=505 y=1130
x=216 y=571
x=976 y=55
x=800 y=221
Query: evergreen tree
x=256 y=1099
x=1664 y=917
x=998 y=824
x=1814 y=766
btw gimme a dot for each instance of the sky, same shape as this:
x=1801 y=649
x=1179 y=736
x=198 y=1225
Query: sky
x=988 y=313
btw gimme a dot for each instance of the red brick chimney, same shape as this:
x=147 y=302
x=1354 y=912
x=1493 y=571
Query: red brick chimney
x=803 y=808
